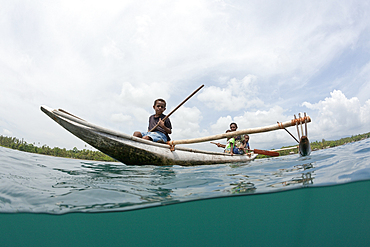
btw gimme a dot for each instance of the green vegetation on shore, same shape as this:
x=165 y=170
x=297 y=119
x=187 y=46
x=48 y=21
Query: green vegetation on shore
x=14 y=143
x=85 y=154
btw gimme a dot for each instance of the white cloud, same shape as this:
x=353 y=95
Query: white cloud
x=143 y=94
x=222 y=124
x=362 y=80
x=186 y=123
x=338 y=116
x=120 y=118
x=7 y=132
x=254 y=119
x=144 y=24
x=236 y=95
x=137 y=100
x=365 y=114
x=111 y=49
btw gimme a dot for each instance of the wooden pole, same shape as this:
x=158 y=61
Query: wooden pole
x=265 y=152
x=177 y=107
x=305 y=126
x=282 y=149
x=299 y=137
x=291 y=133
x=299 y=114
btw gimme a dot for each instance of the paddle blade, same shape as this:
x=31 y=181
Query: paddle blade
x=304 y=146
x=265 y=152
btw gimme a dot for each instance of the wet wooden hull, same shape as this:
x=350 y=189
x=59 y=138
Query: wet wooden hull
x=135 y=151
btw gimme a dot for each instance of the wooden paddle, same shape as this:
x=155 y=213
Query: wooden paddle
x=265 y=152
x=177 y=107
x=219 y=144
x=259 y=151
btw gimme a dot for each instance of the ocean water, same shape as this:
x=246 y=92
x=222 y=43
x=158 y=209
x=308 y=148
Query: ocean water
x=323 y=199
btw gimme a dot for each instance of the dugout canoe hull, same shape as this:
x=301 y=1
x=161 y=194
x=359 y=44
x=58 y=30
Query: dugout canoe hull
x=131 y=150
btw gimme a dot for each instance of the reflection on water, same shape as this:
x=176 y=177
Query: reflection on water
x=140 y=186
x=37 y=183
x=301 y=174
x=242 y=187
x=306 y=176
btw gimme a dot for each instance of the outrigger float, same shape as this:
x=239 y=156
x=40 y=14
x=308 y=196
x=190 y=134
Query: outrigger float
x=131 y=150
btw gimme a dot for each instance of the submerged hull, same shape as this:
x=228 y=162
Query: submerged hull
x=136 y=151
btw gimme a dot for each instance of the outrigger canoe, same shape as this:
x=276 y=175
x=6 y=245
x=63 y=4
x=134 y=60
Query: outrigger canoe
x=131 y=150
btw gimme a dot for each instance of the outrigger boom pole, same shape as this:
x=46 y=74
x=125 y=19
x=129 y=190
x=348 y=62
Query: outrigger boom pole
x=242 y=132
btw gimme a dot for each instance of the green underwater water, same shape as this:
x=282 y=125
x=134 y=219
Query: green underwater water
x=315 y=216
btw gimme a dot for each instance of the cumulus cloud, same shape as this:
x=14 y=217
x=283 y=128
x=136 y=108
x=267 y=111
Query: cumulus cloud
x=222 y=124
x=186 y=123
x=137 y=100
x=143 y=94
x=254 y=119
x=338 y=115
x=235 y=95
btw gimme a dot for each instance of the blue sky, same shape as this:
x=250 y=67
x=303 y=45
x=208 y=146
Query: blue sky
x=260 y=62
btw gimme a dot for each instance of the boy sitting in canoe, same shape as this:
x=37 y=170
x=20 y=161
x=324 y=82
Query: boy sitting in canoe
x=164 y=128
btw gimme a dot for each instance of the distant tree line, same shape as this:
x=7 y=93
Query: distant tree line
x=316 y=145
x=329 y=144
x=14 y=143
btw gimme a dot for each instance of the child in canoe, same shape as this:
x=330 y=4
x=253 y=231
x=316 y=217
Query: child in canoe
x=233 y=127
x=162 y=131
x=239 y=143
x=237 y=146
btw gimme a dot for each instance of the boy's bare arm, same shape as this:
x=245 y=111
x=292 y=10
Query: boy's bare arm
x=161 y=123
